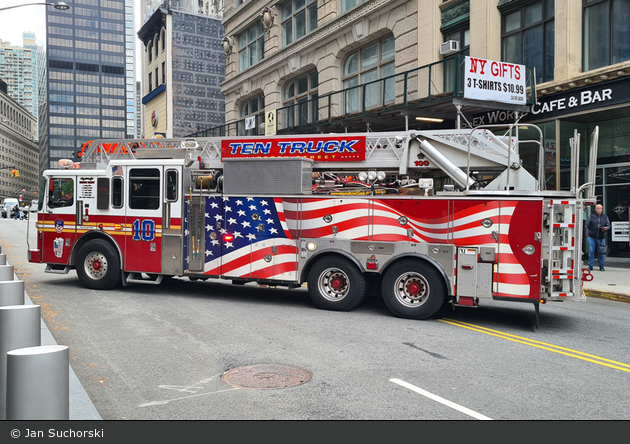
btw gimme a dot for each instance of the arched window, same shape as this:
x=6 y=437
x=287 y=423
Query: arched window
x=249 y=108
x=300 y=100
x=370 y=63
x=156 y=44
x=163 y=38
x=150 y=51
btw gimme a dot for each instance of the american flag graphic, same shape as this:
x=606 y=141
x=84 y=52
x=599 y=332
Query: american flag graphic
x=270 y=227
x=253 y=240
x=378 y=220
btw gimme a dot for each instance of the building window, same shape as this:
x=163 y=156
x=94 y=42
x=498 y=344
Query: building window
x=150 y=51
x=450 y=64
x=299 y=17
x=366 y=65
x=251 y=107
x=606 y=33
x=349 y=4
x=251 y=46
x=163 y=72
x=150 y=83
x=300 y=100
x=163 y=39
x=528 y=38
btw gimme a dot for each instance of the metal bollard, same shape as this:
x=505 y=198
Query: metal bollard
x=38 y=386
x=3 y=259
x=6 y=272
x=11 y=293
x=20 y=326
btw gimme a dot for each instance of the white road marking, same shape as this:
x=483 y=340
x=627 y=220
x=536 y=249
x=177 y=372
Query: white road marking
x=441 y=400
x=197 y=386
x=166 y=401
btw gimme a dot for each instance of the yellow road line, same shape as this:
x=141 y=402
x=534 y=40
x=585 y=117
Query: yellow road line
x=542 y=345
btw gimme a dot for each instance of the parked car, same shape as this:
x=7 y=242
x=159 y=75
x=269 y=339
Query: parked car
x=7 y=207
x=34 y=205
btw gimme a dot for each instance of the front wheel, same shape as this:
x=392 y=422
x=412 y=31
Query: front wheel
x=98 y=265
x=335 y=283
x=413 y=289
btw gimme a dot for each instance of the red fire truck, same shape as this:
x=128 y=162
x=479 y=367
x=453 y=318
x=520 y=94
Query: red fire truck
x=339 y=212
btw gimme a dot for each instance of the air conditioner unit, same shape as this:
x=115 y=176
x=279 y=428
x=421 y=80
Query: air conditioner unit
x=449 y=47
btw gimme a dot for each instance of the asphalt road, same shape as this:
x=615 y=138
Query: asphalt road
x=158 y=353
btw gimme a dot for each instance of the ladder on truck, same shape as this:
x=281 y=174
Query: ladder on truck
x=384 y=150
x=564 y=263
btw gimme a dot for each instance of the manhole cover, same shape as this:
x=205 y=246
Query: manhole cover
x=267 y=376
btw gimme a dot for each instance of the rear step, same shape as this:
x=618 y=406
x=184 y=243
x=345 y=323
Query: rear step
x=57 y=268
x=136 y=278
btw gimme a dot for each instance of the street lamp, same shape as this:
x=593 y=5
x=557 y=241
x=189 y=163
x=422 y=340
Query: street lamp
x=62 y=6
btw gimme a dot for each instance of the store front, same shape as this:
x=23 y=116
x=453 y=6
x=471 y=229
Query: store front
x=605 y=105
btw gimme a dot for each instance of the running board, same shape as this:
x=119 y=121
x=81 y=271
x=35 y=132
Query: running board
x=57 y=269
x=136 y=278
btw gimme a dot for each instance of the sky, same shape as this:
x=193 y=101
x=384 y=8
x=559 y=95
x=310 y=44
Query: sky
x=33 y=18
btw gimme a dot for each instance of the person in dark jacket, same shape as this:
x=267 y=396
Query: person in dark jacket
x=596 y=227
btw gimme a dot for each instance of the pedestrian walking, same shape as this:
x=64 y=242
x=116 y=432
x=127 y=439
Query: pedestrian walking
x=597 y=226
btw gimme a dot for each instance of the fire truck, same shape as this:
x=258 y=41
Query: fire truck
x=427 y=217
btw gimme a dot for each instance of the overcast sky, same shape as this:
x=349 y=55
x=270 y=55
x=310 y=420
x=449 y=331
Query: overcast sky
x=33 y=18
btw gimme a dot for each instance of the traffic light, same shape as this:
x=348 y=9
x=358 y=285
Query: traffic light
x=17 y=173
x=13 y=171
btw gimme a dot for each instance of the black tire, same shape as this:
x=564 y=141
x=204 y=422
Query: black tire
x=98 y=265
x=335 y=283
x=413 y=289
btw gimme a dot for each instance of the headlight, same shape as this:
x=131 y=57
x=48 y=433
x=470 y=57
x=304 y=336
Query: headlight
x=311 y=246
x=371 y=175
x=363 y=176
x=380 y=176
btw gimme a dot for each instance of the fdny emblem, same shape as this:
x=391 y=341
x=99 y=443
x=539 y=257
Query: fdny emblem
x=59 y=225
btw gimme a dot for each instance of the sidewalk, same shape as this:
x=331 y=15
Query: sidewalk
x=81 y=407
x=612 y=284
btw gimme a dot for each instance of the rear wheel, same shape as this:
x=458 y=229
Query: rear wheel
x=335 y=283
x=98 y=265
x=413 y=289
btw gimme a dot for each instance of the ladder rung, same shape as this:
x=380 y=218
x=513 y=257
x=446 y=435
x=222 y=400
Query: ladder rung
x=562 y=202
x=561 y=294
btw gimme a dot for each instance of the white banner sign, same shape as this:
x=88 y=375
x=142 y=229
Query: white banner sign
x=250 y=122
x=493 y=81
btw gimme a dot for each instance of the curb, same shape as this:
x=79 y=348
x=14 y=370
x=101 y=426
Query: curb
x=619 y=297
x=80 y=405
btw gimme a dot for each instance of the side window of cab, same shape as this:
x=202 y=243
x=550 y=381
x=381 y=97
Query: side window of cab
x=60 y=192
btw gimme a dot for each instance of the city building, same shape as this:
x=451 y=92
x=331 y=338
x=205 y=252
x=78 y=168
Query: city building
x=139 y=110
x=90 y=77
x=18 y=148
x=381 y=65
x=19 y=67
x=183 y=66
